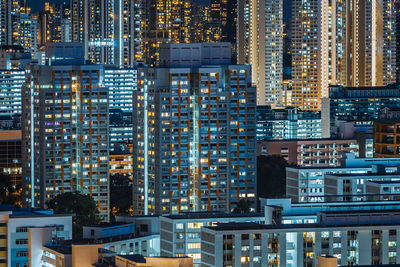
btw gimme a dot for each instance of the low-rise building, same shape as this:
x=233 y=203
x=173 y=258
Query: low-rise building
x=122 y=238
x=287 y=123
x=353 y=238
x=306 y=184
x=309 y=152
x=180 y=234
x=353 y=186
x=22 y=232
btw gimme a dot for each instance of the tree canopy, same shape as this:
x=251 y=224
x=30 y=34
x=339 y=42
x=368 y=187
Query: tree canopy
x=83 y=206
x=271 y=176
x=9 y=193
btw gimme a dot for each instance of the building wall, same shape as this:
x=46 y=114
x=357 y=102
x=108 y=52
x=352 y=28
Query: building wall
x=358 y=245
x=85 y=255
x=192 y=114
x=182 y=237
x=18 y=237
x=69 y=124
x=11 y=82
x=260 y=44
x=317 y=153
x=386 y=137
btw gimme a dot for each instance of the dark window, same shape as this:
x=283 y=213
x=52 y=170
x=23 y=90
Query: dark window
x=143 y=228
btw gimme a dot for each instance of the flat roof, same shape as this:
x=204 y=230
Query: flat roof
x=369 y=174
x=385 y=182
x=212 y=214
x=106 y=225
x=306 y=140
x=254 y=226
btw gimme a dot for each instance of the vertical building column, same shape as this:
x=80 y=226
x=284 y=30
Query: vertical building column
x=251 y=250
x=218 y=247
x=282 y=249
x=364 y=247
x=385 y=247
x=343 y=241
x=238 y=250
x=317 y=248
x=300 y=256
x=264 y=249
x=397 y=246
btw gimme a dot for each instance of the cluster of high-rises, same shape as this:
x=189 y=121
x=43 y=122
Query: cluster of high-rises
x=179 y=101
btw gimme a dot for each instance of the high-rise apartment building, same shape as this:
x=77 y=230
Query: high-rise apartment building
x=93 y=24
x=305 y=93
x=28 y=32
x=120 y=84
x=54 y=23
x=127 y=31
x=65 y=134
x=350 y=43
x=397 y=8
x=194 y=137
x=260 y=43
x=163 y=22
x=18 y=26
x=11 y=82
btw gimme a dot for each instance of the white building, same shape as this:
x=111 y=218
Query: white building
x=306 y=184
x=180 y=234
x=354 y=238
x=24 y=231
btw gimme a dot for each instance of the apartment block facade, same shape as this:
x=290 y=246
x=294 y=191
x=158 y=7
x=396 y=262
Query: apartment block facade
x=194 y=138
x=287 y=123
x=353 y=238
x=314 y=152
x=65 y=130
x=180 y=235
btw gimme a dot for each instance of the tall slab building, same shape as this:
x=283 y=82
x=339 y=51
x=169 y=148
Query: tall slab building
x=194 y=138
x=65 y=134
x=351 y=43
x=260 y=44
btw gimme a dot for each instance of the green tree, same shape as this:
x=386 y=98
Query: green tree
x=120 y=195
x=271 y=176
x=83 y=206
x=9 y=193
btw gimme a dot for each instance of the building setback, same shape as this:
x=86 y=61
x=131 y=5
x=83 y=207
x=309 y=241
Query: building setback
x=194 y=137
x=65 y=130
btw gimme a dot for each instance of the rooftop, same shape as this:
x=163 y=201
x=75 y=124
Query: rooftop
x=212 y=214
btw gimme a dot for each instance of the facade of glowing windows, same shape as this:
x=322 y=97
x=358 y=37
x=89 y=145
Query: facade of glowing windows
x=350 y=43
x=65 y=129
x=194 y=139
x=260 y=44
x=120 y=84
